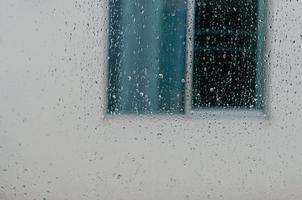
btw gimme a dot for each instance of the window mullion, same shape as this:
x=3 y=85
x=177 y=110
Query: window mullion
x=189 y=54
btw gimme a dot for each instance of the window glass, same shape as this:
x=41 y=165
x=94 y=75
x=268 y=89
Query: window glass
x=146 y=56
x=225 y=54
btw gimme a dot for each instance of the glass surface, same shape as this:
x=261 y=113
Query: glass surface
x=225 y=54
x=146 y=56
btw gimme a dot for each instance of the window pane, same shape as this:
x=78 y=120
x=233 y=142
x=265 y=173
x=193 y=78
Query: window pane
x=225 y=57
x=146 y=56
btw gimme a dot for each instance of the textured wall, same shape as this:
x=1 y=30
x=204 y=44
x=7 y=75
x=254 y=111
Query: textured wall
x=56 y=143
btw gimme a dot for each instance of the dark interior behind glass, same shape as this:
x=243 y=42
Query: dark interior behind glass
x=225 y=44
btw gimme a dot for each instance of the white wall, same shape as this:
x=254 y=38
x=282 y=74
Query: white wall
x=56 y=144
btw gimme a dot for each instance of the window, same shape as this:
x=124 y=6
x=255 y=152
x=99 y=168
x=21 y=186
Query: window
x=150 y=67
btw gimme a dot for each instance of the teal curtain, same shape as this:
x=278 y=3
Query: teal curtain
x=146 y=56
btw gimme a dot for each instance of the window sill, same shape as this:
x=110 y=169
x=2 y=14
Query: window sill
x=197 y=114
x=229 y=114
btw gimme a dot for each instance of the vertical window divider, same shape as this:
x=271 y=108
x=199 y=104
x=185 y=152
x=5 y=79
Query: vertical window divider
x=261 y=34
x=189 y=55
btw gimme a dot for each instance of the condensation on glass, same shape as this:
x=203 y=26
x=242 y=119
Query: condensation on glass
x=225 y=54
x=147 y=55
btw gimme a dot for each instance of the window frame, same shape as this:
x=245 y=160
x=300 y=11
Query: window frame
x=259 y=112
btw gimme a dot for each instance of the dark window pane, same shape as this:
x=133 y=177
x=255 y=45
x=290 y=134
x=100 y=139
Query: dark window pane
x=225 y=44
